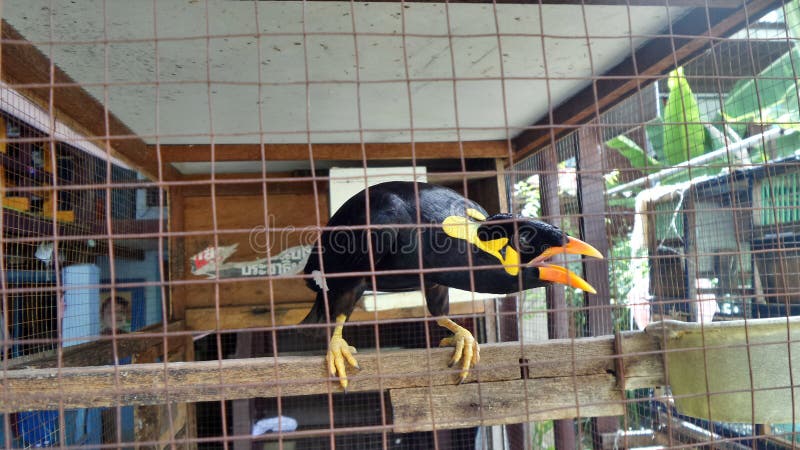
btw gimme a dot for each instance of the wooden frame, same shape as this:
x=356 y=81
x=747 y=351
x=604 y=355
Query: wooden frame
x=348 y=152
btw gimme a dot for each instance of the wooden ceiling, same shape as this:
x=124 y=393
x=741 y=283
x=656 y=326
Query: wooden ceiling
x=27 y=68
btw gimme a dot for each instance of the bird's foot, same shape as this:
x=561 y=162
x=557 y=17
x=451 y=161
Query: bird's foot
x=467 y=351
x=339 y=352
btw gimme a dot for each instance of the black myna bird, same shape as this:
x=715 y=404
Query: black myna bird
x=460 y=247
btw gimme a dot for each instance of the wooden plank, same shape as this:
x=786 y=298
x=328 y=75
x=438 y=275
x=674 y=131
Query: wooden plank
x=643 y=361
x=161 y=423
x=291 y=221
x=101 y=352
x=179 y=423
x=240 y=184
x=258 y=316
x=687 y=38
x=659 y=3
x=145 y=384
x=344 y=152
x=177 y=252
x=499 y=403
x=28 y=70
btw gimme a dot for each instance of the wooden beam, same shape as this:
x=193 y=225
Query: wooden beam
x=175 y=382
x=504 y=402
x=99 y=353
x=686 y=38
x=250 y=184
x=258 y=316
x=27 y=70
x=348 y=152
x=661 y=3
x=177 y=252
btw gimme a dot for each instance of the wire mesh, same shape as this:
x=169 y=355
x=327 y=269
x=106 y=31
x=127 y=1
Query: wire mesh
x=179 y=184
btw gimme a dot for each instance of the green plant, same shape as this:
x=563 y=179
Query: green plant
x=677 y=136
x=684 y=134
x=622 y=278
x=539 y=434
x=771 y=98
x=526 y=192
x=633 y=153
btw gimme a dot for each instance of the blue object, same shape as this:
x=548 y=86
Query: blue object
x=38 y=428
x=81 y=303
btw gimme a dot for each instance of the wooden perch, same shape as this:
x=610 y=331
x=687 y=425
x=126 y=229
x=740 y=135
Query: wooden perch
x=549 y=370
x=101 y=352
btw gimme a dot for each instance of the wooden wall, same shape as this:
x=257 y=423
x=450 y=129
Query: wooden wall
x=289 y=211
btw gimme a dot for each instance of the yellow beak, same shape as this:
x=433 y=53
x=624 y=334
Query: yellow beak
x=558 y=274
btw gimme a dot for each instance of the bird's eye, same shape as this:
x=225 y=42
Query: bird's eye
x=526 y=241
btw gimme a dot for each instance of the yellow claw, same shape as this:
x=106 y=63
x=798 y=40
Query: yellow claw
x=339 y=352
x=466 y=347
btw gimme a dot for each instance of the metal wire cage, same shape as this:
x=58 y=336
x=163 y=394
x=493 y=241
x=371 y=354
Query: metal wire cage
x=169 y=168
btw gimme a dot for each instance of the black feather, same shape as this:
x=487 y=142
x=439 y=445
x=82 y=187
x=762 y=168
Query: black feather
x=406 y=234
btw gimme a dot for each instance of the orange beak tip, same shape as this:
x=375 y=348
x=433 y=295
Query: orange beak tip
x=561 y=275
x=576 y=246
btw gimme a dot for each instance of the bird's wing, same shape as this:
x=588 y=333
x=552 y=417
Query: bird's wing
x=347 y=249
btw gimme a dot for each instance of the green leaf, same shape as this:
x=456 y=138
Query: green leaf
x=684 y=133
x=628 y=203
x=635 y=154
x=770 y=95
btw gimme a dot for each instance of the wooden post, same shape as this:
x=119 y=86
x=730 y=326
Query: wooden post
x=162 y=422
x=509 y=331
x=175 y=222
x=591 y=198
x=243 y=409
x=558 y=316
x=191 y=410
x=507 y=308
x=502 y=192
